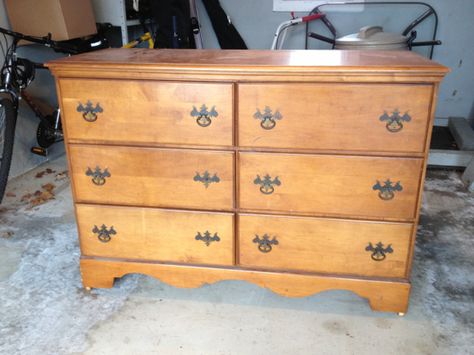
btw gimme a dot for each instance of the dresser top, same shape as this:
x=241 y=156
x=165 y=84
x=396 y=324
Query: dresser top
x=235 y=62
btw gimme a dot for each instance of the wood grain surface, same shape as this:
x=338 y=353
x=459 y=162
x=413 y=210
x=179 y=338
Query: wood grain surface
x=383 y=295
x=251 y=65
x=311 y=60
x=334 y=116
x=155 y=234
x=329 y=184
x=329 y=150
x=324 y=245
x=153 y=177
x=148 y=111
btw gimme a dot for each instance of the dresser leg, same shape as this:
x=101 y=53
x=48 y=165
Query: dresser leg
x=390 y=298
x=96 y=277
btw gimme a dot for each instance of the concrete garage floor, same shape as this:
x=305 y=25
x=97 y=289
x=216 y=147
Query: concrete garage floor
x=44 y=310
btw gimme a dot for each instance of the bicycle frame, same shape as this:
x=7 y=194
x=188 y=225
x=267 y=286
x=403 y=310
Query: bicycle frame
x=15 y=86
x=15 y=91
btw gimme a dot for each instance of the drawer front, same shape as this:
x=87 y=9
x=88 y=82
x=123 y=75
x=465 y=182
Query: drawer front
x=153 y=177
x=355 y=117
x=324 y=245
x=330 y=184
x=153 y=234
x=147 y=112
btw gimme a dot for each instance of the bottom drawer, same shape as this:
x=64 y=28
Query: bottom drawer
x=156 y=234
x=324 y=245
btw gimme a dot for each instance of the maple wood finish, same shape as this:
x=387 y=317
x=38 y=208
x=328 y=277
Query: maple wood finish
x=324 y=245
x=329 y=184
x=322 y=116
x=155 y=234
x=153 y=177
x=301 y=173
x=148 y=112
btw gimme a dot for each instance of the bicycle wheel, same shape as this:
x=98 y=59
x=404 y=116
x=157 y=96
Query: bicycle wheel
x=7 y=135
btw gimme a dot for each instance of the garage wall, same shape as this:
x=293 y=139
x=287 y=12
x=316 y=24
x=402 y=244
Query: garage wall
x=257 y=23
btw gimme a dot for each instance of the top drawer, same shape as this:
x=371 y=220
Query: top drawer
x=352 y=117
x=147 y=112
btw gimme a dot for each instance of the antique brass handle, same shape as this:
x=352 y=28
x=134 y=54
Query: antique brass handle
x=387 y=189
x=265 y=243
x=98 y=176
x=207 y=238
x=266 y=184
x=267 y=118
x=395 y=120
x=104 y=234
x=204 y=115
x=379 y=253
x=206 y=178
x=89 y=112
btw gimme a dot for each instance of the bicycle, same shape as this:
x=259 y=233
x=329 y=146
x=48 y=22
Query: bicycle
x=15 y=76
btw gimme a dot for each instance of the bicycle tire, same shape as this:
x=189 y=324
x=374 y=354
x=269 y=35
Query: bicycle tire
x=7 y=136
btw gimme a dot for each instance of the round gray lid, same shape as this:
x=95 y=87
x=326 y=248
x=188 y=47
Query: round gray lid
x=371 y=35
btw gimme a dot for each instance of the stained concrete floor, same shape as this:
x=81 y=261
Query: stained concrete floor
x=44 y=310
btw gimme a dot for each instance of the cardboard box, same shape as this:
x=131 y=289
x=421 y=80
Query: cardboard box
x=64 y=19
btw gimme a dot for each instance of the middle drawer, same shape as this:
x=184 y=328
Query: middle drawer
x=330 y=185
x=153 y=177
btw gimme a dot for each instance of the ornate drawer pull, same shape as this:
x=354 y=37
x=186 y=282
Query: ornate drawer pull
x=265 y=244
x=387 y=189
x=266 y=185
x=204 y=116
x=267 y=118
x=98 y=176
x=89 y=113
x=206 y=178
x=394 y=121
x=104 y=234
x=379 y=252
x=206 y=238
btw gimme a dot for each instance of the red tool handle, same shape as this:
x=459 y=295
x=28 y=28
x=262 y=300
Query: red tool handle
x=312 y=17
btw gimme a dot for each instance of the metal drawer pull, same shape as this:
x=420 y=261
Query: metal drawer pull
x=395 y=120
x=104 y=234
x=379 y=252
x=203 y=115
x=266 y=185
x=206 y=178
x=387 y=189
x=265 y=244
x=267 y=118
x=206 y=238
x=98 y=176
x=89 y=113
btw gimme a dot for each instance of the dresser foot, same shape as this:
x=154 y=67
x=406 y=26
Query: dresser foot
x=96 y=277
x=88 y=289
x=389 y=297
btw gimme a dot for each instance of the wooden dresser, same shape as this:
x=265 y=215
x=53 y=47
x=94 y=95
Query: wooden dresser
x=300 y=171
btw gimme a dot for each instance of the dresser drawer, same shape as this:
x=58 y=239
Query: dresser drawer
x=330 y=184
x=147 y=112
x=324 y=245
x=153 y=234
x=153 y=177
x=355 y=117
